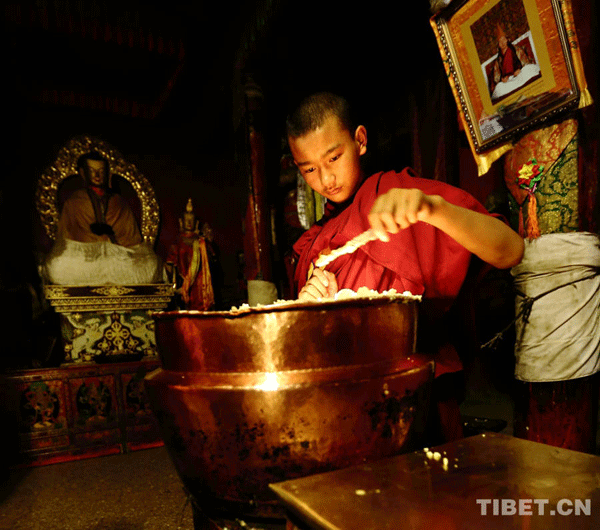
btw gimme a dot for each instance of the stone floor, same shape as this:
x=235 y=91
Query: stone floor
x=133 y=491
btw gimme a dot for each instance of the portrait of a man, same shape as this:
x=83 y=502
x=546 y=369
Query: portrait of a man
x=506 y=49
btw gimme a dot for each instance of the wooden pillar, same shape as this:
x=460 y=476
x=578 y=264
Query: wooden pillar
x=563 y=414
x=257 y=244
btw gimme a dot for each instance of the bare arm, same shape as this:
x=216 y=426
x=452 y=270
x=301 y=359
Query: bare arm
x=485 y=236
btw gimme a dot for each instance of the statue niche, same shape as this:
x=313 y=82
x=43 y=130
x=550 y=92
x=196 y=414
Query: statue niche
x=101 y=274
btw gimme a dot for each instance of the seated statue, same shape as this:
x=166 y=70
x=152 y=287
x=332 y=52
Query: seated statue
x=95 y=213
x=98 y=240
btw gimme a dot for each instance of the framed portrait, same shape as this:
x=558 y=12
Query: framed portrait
x=510 y=65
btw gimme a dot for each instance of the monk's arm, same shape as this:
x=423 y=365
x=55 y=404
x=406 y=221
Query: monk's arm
x=485 y=236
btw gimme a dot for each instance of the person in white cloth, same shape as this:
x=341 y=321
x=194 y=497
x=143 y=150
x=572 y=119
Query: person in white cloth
x=98 y=240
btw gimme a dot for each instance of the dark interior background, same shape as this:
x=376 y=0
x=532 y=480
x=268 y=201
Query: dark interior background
x=163 y=82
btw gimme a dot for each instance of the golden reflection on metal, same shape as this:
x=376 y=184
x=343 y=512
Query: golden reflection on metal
x=65 y=166
x=270 y=330
x=445 y=493
x=271 y=382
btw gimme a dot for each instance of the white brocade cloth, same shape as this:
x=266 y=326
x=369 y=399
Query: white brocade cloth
x=100 y=263
x=506 y=87
x=561 y=339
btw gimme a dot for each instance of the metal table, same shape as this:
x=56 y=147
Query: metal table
x=489 y=481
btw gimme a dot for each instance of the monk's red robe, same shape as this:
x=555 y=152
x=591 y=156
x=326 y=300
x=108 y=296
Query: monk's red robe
x=420 y=259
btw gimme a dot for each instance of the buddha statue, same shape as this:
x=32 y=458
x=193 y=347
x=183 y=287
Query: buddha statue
x=98 y=239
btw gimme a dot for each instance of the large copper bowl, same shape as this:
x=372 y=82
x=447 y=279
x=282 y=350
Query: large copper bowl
x=249 y=398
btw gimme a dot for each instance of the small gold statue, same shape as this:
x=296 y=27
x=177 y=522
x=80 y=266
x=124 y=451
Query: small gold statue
x=188 y=261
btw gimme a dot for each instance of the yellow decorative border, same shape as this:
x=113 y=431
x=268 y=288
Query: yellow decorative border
x=75 y=298
x=99 y=304
x=112 y=290
x=65 y=165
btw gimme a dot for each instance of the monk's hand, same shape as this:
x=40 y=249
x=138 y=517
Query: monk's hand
x=321 y=284
x=399 y=208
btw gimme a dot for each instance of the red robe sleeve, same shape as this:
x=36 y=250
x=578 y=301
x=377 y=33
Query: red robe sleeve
x=420 y=259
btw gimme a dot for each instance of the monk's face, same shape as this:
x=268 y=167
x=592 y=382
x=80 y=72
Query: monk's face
x=329 y=159
x=503 y=43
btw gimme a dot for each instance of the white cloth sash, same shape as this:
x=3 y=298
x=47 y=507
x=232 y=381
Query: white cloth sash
x=559 y=279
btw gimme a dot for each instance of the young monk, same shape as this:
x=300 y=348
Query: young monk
x=427 y=230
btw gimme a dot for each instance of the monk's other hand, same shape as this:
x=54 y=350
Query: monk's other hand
x=321 y=284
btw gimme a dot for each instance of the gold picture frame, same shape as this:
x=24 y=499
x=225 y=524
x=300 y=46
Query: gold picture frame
x=481 y=40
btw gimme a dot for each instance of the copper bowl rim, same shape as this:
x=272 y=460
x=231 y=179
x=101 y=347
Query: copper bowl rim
x=359 y=301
